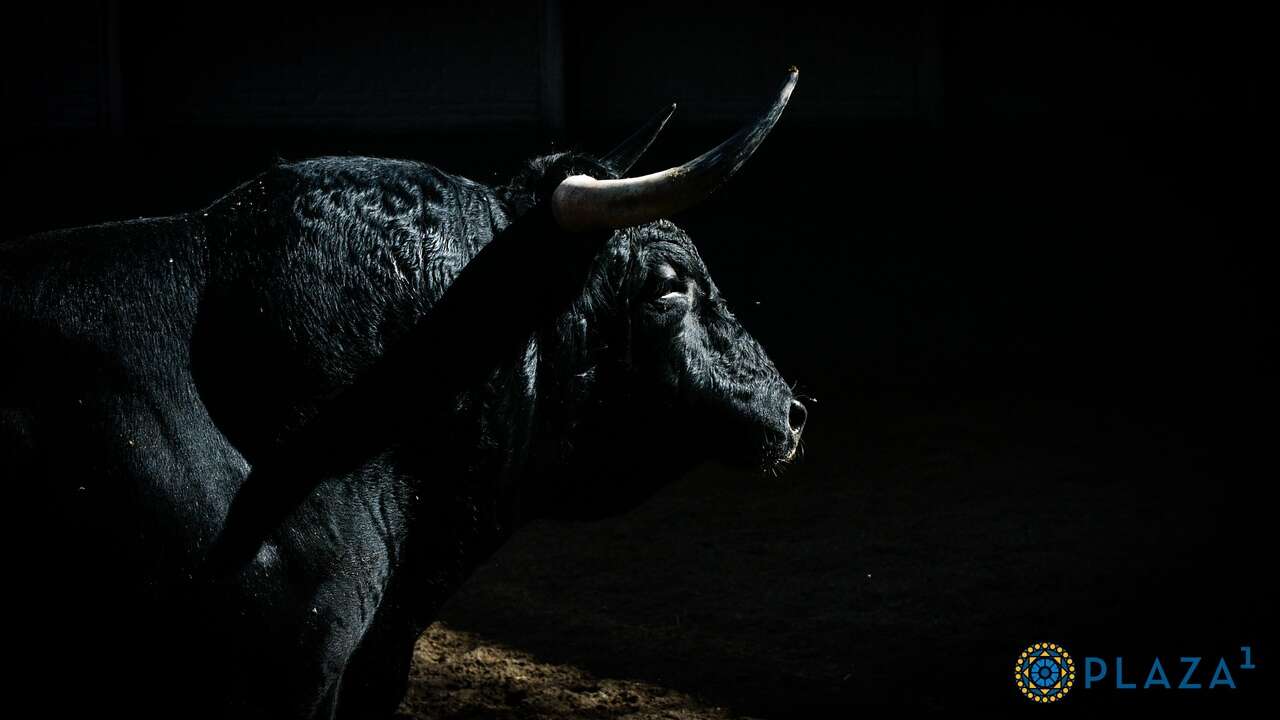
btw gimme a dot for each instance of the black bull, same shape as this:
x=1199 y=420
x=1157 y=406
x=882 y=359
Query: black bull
x=255 y=448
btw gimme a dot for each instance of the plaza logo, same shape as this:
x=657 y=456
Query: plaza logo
x=1046 y=672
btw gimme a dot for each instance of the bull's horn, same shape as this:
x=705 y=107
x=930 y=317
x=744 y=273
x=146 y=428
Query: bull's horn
x=582 y=202
x=622 y=158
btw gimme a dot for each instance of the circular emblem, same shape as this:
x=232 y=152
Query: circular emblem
x=1044 y=672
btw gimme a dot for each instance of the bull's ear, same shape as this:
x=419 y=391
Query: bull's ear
x=622 y=158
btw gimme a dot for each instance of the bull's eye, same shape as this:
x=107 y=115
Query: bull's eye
x=673 y=294
x=669 y=285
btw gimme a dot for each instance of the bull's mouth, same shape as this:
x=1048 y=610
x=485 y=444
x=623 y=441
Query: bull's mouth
x=763 y=443
x=778 y=450
x=779 y=441
x=776 y=462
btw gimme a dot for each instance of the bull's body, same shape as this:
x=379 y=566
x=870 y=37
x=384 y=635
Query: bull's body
x=157 y=357
x=257 y=446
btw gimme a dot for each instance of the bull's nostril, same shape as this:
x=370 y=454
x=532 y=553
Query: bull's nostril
x=797 y=416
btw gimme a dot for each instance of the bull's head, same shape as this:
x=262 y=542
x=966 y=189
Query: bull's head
x=673 y=376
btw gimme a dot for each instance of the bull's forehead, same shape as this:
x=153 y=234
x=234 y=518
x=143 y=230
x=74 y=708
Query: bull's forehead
x=647 y=248
x=664 y=241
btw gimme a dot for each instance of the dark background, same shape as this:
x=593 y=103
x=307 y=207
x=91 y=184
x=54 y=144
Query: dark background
x=1018 y=254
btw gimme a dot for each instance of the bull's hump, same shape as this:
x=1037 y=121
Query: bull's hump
x=423 y=224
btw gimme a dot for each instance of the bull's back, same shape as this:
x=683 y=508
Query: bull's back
x=99 y=418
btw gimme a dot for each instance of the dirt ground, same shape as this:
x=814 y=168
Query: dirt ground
x=923 y=542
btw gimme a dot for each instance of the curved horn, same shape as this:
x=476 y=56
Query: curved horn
x=622 y=158
x=583 y=203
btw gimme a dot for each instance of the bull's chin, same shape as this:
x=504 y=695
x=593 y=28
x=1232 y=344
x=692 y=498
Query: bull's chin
x=771 y=460
x=774 y=465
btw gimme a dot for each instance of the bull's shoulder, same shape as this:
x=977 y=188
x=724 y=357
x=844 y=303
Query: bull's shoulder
x=316 y=268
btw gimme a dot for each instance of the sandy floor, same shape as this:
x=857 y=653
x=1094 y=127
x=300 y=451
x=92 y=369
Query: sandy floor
x=458 y=674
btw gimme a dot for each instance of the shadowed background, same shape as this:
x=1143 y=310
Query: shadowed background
x=1017 y=254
